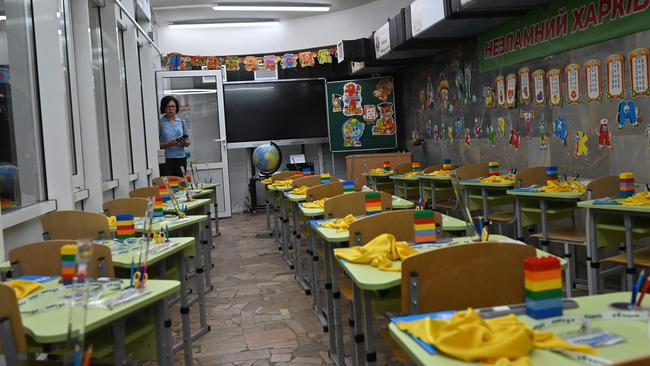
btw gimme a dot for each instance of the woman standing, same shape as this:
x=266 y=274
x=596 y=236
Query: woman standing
x=173 y=137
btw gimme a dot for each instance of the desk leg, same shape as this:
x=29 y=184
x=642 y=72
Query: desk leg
x=520 y=231
x=371 y=356
x=484 y=195
x=163 y=336
x=119 y=348
x=592 y=253
x=277 y=224
x=208 y=245
x=358 y=352
x=334 y=316
x=315 y=280
x=542 y=208
x=284 y=233
x=297 y=247
x=216 y=215
x=373 y=183
x=185 y=311
x=630 y=271
x=267 y=208
x=432 y=184
x=396 y=188
x=200 y=289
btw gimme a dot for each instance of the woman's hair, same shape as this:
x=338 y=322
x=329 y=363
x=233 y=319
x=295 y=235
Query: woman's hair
x=165 y=101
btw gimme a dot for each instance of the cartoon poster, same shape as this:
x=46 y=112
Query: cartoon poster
x=386 y=123
x=250 y=63
x=352 y=132
x=468 y=138
x=555 y=95
x=527 y=113
x=269 y=62
x=443 y=91
x=491 y=135
x=511 y=90
x=488 y=94
x=538 y=88
x=581 y=149
x=572 y=77
x=604 y=135
x=627 y=112
x=515 y=140
x=501 y=91
x=383 y=89
x=324 y=56
x=289 y=61
x=560 y=129
x=592 y=81
x=524 y=85
x=369 y=113
x=352 y=99
x=615 y=80
x=543 y=141
x=639 y=72
x=336 y=103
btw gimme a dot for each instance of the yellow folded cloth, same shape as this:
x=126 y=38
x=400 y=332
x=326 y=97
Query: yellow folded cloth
x=410 y=174
x=267 y=180
x=499 y=179
x=112 y=221
x=282 y=183
x=24 y=287
x=315 y=204
x=571 y=185
x=439 y=173
x=639 y=199
x=499 y=341
x=302 y=190
x=339 y=224
x=380 y=252
x=379 y=171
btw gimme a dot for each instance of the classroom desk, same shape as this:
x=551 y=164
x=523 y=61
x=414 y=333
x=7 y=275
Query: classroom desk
x=376 y=180
x=194 y=207
x=435 y=185
x=366 y=278
x=403 y=184
x=635 y=333
x=398 y=204
x=483 y=195
x=49 y=329
x=534 y=207
x=215 y=204
x=604 y=227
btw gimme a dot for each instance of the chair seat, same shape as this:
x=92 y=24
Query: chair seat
x=567 y=234
x=641 y=258
x=345 y=286
x=502 y=217
x=397 y=351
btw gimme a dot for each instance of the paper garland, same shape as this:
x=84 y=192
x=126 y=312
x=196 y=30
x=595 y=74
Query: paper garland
x=640 y=75
x=524 y=85
x=572 y=75
x=555 y=95
x=615 y=80
x=592 y=81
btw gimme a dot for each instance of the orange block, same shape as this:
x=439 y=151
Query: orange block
x=542 y=275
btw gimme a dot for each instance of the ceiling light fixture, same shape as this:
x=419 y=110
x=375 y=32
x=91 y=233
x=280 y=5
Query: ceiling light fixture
x=258 y=23
x=3 y=17
x=271 y=7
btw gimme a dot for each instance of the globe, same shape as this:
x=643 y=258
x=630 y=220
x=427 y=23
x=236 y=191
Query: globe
x=8 y=177
x=267 y=158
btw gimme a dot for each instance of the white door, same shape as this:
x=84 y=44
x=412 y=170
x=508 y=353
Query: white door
x=200 y=99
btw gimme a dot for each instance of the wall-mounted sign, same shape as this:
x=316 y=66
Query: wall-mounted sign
x=425 y=13
x=382 y=41
x=554 y=90
x=572 y=77
x=538 y=87
x=615 y=81
x=592 y=81
x=639 y=73
x=524 y=85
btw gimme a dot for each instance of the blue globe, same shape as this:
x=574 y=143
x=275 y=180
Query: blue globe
x=8 y=178
x=267 y=158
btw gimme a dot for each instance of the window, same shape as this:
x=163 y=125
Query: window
x=22 y=181
x=100 y=93
x=129 y=147
x=144 y=116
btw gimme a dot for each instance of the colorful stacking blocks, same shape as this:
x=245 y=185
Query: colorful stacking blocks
x=424 y=225
x=183 y=183
x=387 y=166
x=348 y=186
x=188 y=178
x=493 y=168
x=446 y=165
x=164 y=193
x=173 y=184
x=307 y=171
x=68 y=263
x=325 y=178
x=551 y=174
x=125 y=226
x=416 y=166
x=543 y=281
x=158 y=210
x=626 y=184
x=373 y=203
x=297 y=175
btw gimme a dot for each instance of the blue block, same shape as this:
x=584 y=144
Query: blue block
x=425 y=232
x=544 y=304
x=543 y=314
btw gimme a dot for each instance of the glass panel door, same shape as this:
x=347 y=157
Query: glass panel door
x=200 y=99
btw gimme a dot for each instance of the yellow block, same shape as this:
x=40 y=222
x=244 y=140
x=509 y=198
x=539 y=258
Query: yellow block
x=425 y=226
x=543 y=285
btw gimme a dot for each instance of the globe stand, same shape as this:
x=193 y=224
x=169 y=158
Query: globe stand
x=269 y=233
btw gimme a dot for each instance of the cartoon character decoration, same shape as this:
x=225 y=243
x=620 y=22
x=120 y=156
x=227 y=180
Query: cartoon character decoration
x=269 y=62
x=430 y=93
x=450 y=133
x=232 y=63
x=386 y=123
x=336 y=103
x=581 y=149
x=443 y=91
x=491 y=135
x=488 y=94
x=429 y=129
x=352 y=99
x=324 y=56
x=383 y=89
x=604 y=136
x=369 y=113
x=560 y=129
x=478 y=123
x=459 y=80
x=289 y=61
x=307 y=58
x=250 y=63
x=423 y=100
x=514 y=139
x=627 y=111
x=468 y=83
x=213 y=63
x=458 y=125
x=527 y=113
x=502 y=126
x=436 y=133
x=468 y=138
x=543 y=141
x=352 y=132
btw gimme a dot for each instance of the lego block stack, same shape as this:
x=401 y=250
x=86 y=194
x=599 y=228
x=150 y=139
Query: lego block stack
x=307 y=172
x=551 y=174
x=164 y=193
x=387 y=166
x=125 y=226
x=373 y=203
x=446 y=165
x=173 y=184
x=416 y=166
x=543 y=287
x=348 y=186
x=424 y=225
x=626 y=185
x=68 y=263
x=158 y=210
x=493 y=168
x=325 y=178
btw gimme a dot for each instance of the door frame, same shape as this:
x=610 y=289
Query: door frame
x=223 y=165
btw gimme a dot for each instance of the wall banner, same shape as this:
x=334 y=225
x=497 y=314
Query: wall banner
x=562 y=25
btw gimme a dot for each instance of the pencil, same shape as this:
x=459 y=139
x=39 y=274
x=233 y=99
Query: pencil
x=645 y=289
x=637 y=287
x=88 y=355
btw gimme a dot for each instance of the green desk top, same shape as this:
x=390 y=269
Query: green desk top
x=442 y=178
x=203 y=193
x=52 y=326
x=5 y=266
x=477 y=183
x=331 y=235
x=295 y=197
x=400 y=203
x=590 y=204
x=412 y=178
x=635 y=333
x=311 y=212
x=370 y=278
x=123 y=260
x=556 y=196
x=191 y=205
x=173 y=223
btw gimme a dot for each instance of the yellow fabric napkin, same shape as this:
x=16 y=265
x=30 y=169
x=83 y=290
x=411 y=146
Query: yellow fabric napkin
x=266 y=181
x=498 y=179
x=639 y=199
x=302 y=190
x=282 y=183
x=379 y=171
x=439 y=173
x=410 y=174
x=339 y=224
x=24 y=287
x=380 y=252
x=315 y=204
x=499 y=341
x=571 y=185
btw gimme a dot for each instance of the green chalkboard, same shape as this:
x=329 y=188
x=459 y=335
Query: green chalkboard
x=361 y=114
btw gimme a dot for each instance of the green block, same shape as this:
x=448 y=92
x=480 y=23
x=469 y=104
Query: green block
x=543 y=295
x=68 y=258
x=423 y=214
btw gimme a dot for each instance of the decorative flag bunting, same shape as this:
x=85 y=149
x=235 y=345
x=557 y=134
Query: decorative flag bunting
x=307 y=172
x=387 y=166
x=325 y=178
x=543 y=287
x=626 y=184
x=424 y=225
x=524 y=85
x=501 y=91
x=125 y=226
x=68 y=263
x=158 y=207
x=348 y=186
x=446 y=164
x=511 y=90
x=373 y=203
x=551 y=174
x=164 y=193
x=493 y=168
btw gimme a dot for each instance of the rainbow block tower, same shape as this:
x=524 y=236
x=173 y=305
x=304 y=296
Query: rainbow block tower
x=297 y=174
x=307 y=172
x=416 y=166
x=173 y=184
x=125 y=226
x=543 y=281
x=325 y=178
x=424 y=225
x=348 y=186
x=387 y=166
x=164 y=193
x=183 y=184
x=626 y=184
x=373 y=203
x=493 y=168
x=188 y=178
x=158 y=210
x=68 y=263
x=551 y=174
x=446 y=165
